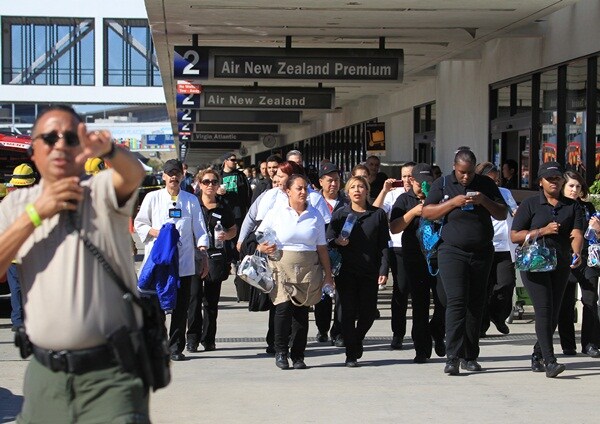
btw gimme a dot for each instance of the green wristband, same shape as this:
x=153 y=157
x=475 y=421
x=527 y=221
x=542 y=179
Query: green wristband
x=33 y=215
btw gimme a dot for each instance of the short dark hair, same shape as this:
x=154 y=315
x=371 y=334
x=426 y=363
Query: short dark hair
x=464 y=154
x=275 y=158
x=409 y=164
x=512 y=164
x=56 y=108
x=294 y=177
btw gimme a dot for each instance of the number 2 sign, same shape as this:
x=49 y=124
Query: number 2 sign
x=190 y=62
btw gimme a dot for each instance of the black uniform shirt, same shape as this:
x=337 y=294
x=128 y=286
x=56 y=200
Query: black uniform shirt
x=535 y=212
x=366 y=254
x=468 y=230
x=222 y=212
x=404 y=203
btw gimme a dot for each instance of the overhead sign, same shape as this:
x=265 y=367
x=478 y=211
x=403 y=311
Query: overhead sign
x=185 y=128
x=225 y=137
x=238 y=128
x=186 y=87
x=375 y=137
x=272 y=98
x=241 y=116
x=215 y=145
x=206 y=63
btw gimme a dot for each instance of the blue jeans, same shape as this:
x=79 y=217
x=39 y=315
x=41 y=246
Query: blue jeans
x=16 y=303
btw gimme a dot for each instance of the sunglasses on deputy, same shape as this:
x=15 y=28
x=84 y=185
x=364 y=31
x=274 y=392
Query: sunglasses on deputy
x=51 y=138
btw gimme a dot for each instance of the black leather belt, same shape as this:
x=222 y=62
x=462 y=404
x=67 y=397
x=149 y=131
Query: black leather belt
x=76 y=361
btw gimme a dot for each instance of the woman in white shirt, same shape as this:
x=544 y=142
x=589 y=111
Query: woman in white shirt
x=300 y=231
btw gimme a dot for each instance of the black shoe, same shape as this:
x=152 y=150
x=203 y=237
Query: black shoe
x=192 y=348
x=396 y=343
x=482 y=335
x=377 y=314
x=209 y=347
x=281 y=360
x=592 y=351
x=553 y=369
x=537 y=365
x=338 y=341
x=570 y=352
x=452 y=367
x=470 y=365
x=177 y=356
x=502 y=327
x=299 y=364
x=359 y=350
x=270 y=350
x=439 y=345
x=419 y=359
x=352 y=363
x=321 y=338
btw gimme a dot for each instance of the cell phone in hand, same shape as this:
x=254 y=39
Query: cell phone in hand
x=471 y=193
x=398 y=183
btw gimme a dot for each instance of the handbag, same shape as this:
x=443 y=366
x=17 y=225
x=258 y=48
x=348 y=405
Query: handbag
x=593 y=259
x=535 y=257
x=150 y=342
x=255 y=271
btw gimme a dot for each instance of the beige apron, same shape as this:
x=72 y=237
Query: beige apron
x=299 y=278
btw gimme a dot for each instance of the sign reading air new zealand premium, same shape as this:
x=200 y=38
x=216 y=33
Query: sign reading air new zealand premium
x=240 y=116
x=258 y=98
x=290 y=64
x=225 y=137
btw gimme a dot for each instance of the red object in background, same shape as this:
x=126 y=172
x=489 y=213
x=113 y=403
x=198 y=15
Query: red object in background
x=398 y=183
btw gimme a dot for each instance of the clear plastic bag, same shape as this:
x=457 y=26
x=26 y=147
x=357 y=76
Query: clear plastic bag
x=534 y=257
x=255 y=271
x=594 y=255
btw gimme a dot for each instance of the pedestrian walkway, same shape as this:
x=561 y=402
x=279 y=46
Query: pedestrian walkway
x=239 y=383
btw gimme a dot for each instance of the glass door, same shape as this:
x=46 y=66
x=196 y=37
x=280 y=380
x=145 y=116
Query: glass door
x=524 y=140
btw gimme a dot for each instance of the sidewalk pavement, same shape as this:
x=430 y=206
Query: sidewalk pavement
x=239 y=383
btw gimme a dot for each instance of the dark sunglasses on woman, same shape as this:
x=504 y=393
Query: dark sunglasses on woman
x=210 y=182
x=51 y=138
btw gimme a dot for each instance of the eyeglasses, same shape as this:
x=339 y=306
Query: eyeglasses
x=50 y=139
x=232 y=160
x=210 y=182
x=174 y=173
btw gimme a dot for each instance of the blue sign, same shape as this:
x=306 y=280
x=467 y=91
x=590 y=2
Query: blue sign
x=160 y=139
x=190 y=62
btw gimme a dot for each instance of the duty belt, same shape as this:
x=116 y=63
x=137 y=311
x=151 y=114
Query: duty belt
x=76 y=361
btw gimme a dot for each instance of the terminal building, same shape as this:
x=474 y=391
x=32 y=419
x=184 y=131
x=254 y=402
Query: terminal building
x=337 y=80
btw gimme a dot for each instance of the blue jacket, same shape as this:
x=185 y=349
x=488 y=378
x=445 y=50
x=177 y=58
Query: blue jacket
x=160 y=274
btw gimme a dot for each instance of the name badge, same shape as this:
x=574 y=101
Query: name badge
x=174 y=213
x=216 y=215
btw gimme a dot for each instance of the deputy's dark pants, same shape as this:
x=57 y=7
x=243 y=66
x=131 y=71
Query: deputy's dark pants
x=358 y=303
x=421 y=283
x=464 y=277
x=16 y=302
x=289 y=317
x=400 y=293
x=323 y=316
x=179 y=316
x=203 y=310
x=500 y=290
x=546 y=290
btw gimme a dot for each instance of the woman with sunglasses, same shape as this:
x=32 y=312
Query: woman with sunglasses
x=364 y=265
x=299 y=271
x=558 y=222
x=576 y=188
x=205 y=293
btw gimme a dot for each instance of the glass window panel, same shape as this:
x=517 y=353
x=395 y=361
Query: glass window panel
x=130 y=54
x=548 y=119
x=503 y=102
x=576 y=116
x=524 y=97
x=49 y=51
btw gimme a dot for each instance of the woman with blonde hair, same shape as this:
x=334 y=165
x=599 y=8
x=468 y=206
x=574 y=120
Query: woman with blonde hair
x=364 y=264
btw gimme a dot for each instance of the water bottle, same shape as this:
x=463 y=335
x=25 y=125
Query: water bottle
x=270 y=237
x=328 y=290
x=218 y=231
x=590 y=234
x=348 y=225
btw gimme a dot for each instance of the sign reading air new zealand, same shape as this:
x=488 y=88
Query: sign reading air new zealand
x=290 y=64
x=224 y=137
x=258 y=98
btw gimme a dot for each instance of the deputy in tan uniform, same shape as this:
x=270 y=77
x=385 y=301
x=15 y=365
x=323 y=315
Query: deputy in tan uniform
x=70 y=302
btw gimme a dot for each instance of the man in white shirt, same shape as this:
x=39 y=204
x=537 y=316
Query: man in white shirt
x=173 y=205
